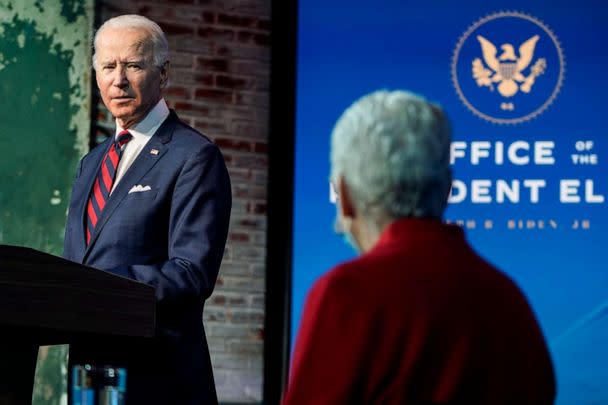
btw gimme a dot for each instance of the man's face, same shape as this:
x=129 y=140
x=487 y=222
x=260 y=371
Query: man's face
x=129 y=83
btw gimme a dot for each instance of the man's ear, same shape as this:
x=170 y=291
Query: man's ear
x=347 y=206
x=164 y=74
x=96 y=78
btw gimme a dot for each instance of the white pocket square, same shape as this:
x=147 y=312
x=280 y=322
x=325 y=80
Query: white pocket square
x=139 y=188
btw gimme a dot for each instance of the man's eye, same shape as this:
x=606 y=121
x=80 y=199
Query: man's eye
x=133 y=66
x=108 y=67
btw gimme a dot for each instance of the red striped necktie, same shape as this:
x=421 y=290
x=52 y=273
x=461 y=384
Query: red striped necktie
x=105 y=181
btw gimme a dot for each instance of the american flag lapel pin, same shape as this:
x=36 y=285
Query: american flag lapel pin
x=154 y=151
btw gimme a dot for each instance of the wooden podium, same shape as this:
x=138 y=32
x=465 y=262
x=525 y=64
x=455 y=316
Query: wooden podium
x=47 y=300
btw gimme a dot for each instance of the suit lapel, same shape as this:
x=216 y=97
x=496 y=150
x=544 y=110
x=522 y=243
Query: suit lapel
x=142 y=165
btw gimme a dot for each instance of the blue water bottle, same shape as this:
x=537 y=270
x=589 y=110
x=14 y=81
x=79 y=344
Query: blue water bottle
x=83 y=385
x=112 y=386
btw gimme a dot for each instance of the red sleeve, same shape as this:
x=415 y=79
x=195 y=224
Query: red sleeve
x=327 y=355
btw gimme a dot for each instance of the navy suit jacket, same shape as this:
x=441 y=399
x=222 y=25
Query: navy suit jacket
x=171 y=237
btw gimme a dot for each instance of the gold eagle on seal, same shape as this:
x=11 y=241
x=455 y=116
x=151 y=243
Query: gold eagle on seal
x=507 y=69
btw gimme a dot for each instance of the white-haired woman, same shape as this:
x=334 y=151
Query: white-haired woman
x=419 y=317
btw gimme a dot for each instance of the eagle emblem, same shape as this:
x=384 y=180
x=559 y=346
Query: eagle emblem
x=508 y=69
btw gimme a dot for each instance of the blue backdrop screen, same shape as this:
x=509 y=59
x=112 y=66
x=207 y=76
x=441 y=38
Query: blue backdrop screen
x=524 y=91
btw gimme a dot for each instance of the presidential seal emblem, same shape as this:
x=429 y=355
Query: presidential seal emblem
x=508 y=67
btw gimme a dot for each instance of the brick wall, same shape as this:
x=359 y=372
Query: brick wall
x=219 y=84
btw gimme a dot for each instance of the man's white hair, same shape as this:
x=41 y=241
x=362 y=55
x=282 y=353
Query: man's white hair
x=392 y=150
x=160 y=46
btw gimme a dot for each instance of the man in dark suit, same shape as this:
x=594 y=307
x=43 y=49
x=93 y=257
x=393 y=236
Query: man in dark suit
x=152 y=204
x=419 y=317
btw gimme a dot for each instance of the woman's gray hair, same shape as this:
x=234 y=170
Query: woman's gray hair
x=393 y=151
x=160 y=46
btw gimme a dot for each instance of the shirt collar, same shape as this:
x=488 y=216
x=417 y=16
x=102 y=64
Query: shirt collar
x=148 y=126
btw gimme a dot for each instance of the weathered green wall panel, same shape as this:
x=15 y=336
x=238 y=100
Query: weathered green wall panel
x=44 y=130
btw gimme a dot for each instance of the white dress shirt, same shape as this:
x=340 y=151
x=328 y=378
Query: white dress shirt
x=142 y=132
